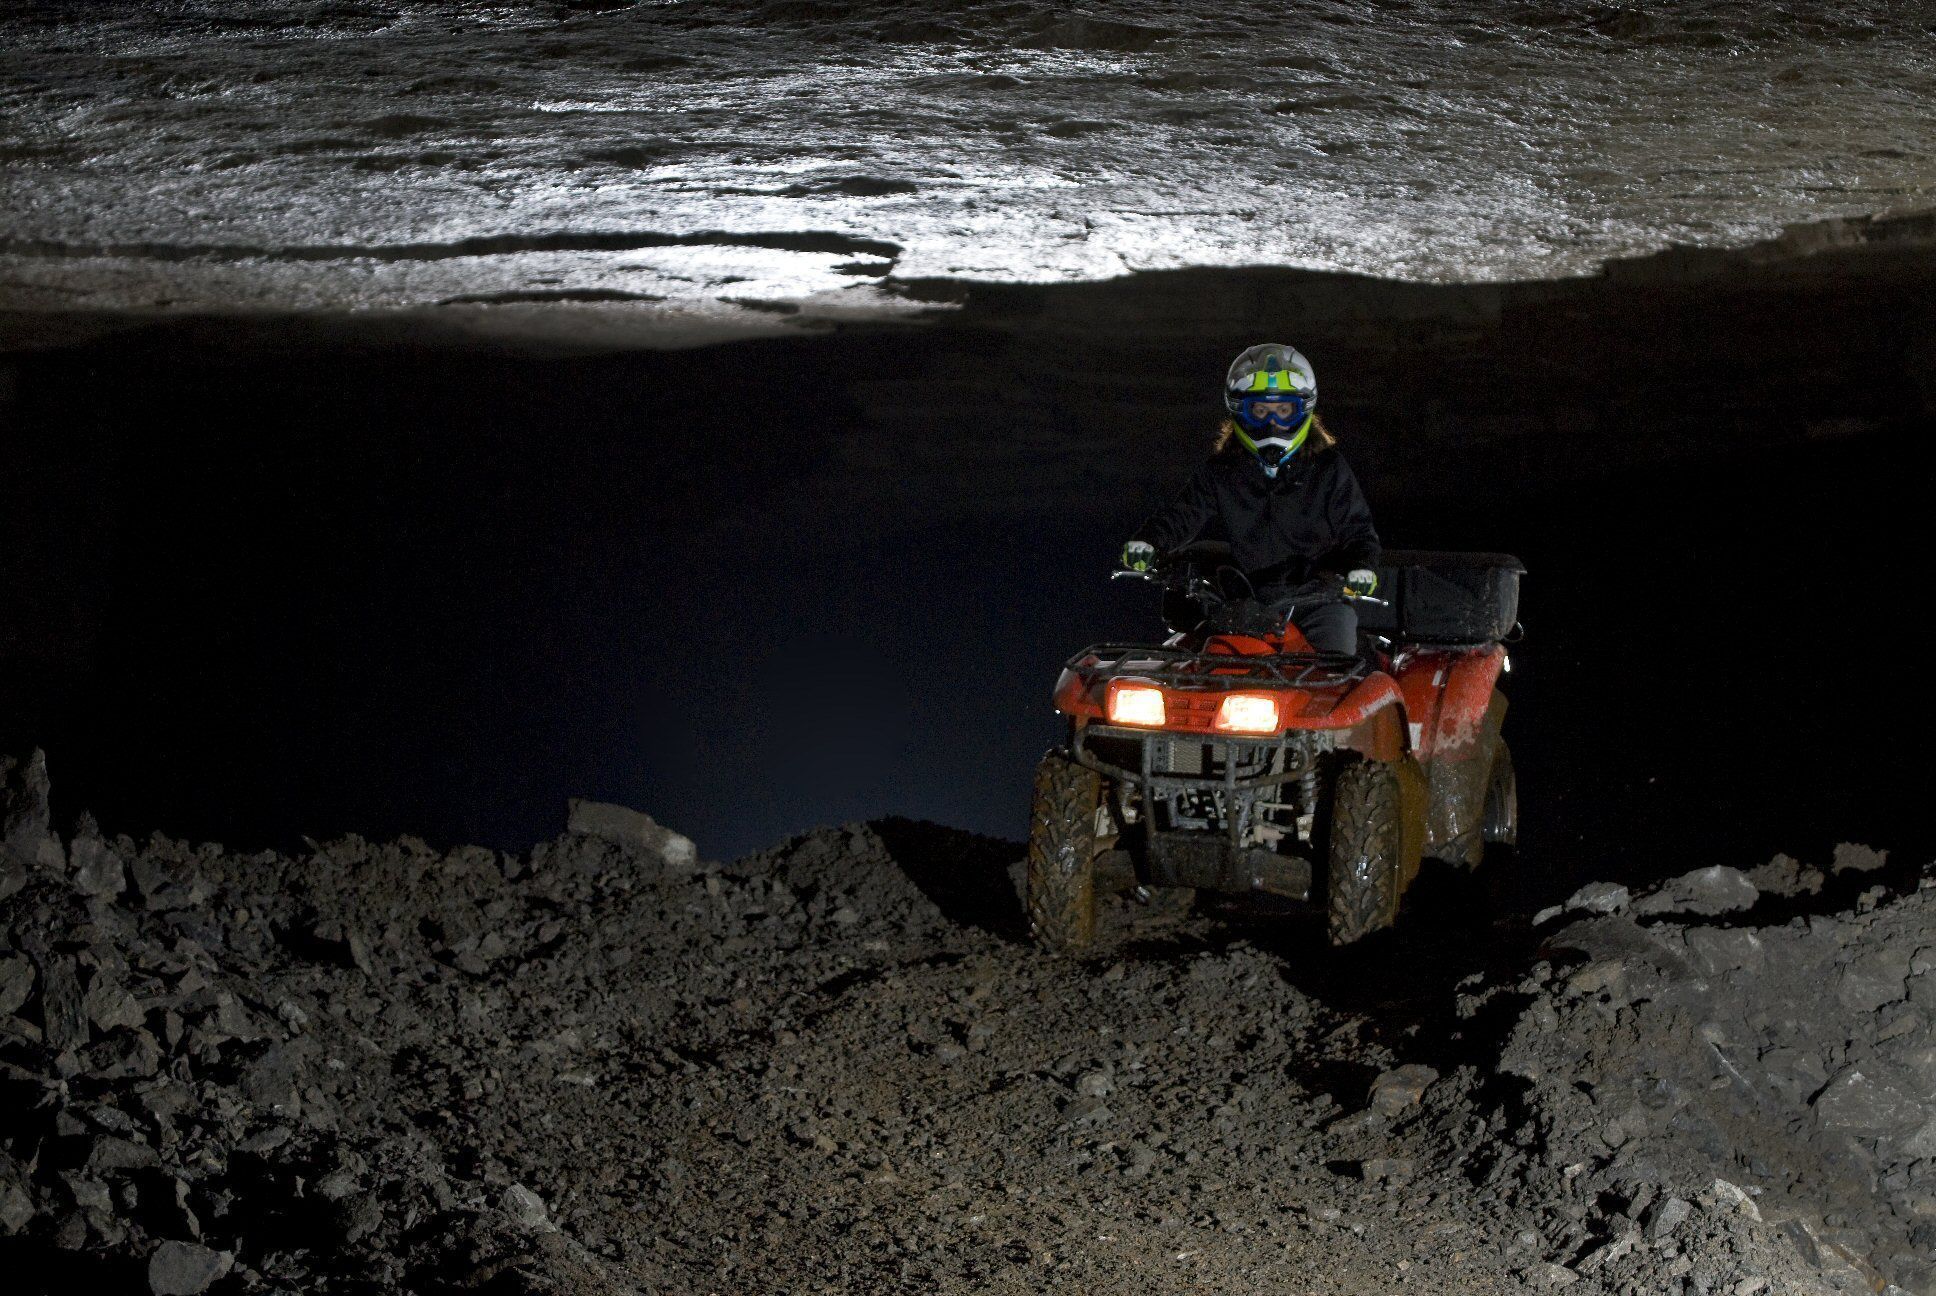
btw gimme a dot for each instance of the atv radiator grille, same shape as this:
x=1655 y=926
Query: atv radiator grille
x=1178 y=756
x=1205 y=803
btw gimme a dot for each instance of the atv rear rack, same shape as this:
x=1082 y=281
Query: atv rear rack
x=1185 y=667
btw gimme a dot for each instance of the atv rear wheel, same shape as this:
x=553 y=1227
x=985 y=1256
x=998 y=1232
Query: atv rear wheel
x=1499 y=823
x=1062 y=855
x=1363 y=852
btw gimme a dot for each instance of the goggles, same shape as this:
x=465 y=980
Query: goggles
x=1273 y=410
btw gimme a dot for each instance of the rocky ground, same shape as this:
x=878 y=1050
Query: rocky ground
x=608 y=1065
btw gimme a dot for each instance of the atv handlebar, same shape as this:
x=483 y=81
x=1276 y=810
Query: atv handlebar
x=1341 y=594
x=1160 y=573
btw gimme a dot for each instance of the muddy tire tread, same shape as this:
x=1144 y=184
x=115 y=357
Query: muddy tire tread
x=1362 y=883
x=1062 y=855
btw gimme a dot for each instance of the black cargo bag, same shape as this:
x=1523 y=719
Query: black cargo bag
x=1445 y=598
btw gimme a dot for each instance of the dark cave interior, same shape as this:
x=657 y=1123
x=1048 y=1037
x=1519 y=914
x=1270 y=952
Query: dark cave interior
x=277 y=577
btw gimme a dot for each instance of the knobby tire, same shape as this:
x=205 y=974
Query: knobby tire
x=1363 y=863
x=1062 y=855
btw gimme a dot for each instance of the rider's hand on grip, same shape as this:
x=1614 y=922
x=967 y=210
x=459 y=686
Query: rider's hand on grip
x=1138 y=555
x=1361 y=582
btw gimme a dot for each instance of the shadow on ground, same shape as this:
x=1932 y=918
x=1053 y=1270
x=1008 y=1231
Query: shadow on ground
x=965 y=875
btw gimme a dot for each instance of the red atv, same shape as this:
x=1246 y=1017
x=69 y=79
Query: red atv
x=1234 y=758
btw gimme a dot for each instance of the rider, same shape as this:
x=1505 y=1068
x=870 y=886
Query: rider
x=1285 y=497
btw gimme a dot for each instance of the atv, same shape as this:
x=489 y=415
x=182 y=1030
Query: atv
x=1234 y=758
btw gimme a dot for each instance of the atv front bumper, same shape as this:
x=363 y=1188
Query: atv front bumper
x=1213 y=808
x=1210 y=863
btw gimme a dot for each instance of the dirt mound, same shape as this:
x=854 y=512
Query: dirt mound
x=1710 y=1032
x=608 y=1065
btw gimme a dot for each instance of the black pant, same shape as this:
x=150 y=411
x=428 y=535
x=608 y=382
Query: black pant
x=1330 y=627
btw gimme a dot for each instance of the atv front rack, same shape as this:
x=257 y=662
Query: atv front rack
x=1186 y=667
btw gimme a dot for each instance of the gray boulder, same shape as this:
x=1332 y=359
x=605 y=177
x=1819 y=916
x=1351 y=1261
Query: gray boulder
x=1786 y=876
x=1715 y=890
x=1872 y=979
x=26 y=826
x=1852 y=858
x=1665 y=1217
x=108 y=1005
x=1716 y=950
x=63 y=1014
x=1870 y=1103
x=628 y=827
x=16 y=1208
x=1598 y=897
x=1401 y=1088
x=526 y=1209
x=97 y=869
x=16 y=983
x=184 y=1269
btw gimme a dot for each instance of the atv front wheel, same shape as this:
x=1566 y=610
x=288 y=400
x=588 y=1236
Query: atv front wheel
x=1062 y=855
x=1363 y=853
x=1499 y=822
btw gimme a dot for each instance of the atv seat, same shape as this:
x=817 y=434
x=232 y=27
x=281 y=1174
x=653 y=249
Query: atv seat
x=1444 y=598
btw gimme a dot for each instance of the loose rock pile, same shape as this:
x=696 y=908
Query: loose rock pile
x=1716 y=1036
x=608 y=1065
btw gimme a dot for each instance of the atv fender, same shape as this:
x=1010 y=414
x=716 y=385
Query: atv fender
x=1460 y=779
x=1456 y=712
x=1384 y=737
x=1414 y=804
x=1381 y=735
x=1370 y=698
x=1448 y=697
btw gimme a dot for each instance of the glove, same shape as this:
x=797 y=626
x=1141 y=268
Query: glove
x=1361 y=583
x=1138 y=555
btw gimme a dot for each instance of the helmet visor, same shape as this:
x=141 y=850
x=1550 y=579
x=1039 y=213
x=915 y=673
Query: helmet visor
x=1282 y=410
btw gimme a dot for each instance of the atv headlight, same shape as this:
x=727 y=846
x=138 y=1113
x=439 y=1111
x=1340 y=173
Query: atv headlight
x=1135 y=704
x=1248 y=713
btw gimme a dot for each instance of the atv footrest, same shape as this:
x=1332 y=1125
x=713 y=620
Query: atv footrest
x=1210 y=863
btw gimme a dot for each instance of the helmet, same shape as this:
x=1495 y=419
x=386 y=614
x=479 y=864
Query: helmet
x=1273 y=393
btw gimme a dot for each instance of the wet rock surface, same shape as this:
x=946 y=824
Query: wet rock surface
x=738 y=161
x=837 y=1064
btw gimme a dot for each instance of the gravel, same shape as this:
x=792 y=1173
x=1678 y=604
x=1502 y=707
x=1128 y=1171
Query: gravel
x=600 y=1066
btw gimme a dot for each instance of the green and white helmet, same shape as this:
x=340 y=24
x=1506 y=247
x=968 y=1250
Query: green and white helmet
x=1272 y=392
x=1268 y=367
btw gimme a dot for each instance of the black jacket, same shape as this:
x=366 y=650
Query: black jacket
x=1311 y=518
